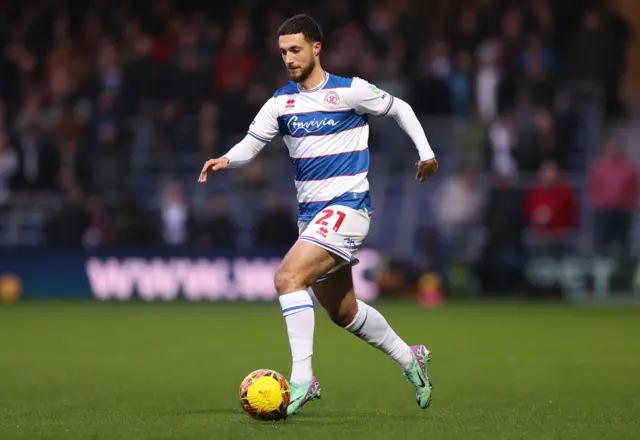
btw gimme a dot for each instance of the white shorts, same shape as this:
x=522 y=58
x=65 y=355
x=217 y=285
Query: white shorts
x=338 y=229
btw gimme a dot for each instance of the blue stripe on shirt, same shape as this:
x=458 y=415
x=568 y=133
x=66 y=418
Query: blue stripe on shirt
x=326 y=167
x=307 y=211
x=320 y=123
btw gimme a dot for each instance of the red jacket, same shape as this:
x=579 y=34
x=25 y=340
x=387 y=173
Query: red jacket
x=234 y=70
x=551 y=211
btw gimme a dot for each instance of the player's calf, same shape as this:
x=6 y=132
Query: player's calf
x=337 y=296
x=370 y=326
x=302 y=265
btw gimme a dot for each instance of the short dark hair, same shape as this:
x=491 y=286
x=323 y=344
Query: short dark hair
x=302 y=24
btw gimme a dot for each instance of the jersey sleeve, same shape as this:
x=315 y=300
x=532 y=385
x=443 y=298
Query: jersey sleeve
x=264 y=126
x=367 y=98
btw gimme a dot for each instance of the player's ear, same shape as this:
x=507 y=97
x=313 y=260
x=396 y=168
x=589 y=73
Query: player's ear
x=316 y=48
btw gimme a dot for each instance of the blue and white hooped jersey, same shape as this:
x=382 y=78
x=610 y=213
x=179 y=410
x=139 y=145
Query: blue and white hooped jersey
x=326 y=131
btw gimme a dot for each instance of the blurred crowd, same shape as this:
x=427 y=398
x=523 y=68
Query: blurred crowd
x=95 y=95
x=489 y=235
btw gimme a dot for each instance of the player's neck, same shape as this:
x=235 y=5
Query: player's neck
x=314 y=80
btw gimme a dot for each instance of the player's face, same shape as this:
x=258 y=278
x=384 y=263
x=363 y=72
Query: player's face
x=298 y=55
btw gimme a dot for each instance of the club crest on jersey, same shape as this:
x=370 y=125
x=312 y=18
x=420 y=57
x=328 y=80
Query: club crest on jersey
x=332 y=100
x=291 y=103
x=310 y=126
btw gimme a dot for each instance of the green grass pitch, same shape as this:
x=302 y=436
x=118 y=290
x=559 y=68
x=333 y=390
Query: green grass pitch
x=171 y=371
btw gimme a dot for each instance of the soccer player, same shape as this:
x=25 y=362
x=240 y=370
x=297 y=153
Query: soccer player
x=322 y=119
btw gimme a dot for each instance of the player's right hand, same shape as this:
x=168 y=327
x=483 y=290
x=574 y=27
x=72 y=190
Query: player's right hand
x=212 y=165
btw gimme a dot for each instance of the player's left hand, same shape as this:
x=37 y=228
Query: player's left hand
x=426 y=169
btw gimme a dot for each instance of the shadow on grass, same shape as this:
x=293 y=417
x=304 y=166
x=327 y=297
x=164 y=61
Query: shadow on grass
x=343 y=418
x=203 y=411
x=355 y=417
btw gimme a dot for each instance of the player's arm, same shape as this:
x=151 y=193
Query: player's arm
x=369 y=99
x=262 y=130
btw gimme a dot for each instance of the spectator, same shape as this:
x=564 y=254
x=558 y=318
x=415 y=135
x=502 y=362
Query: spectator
x=142 y=79
x=511 y=36
x=8 y=168
x=253 y=176
x=174 y=215
x=75 y=170
x=133 y=227
x=500 y=147
x=208 y=131
x=189 y=51
x=537 y=144
x=66 y=228
x=621 y=39
x=191 y=86
x=216 y=231
x=39 y=161
x=108 y=77
x=487 y=81
x=166 y=139
x=465 y=34
x=550 y=211
x=236 y=63
x=500 y=266
x=612 y=190
x=100 y=229
x=544 y=22
x=460 y=83
x=459 y=208
x=537 y=63
x=277 y=229
x=108 y=159
x=593 y=51
x=598 y=53
x=431 y=254
x=431 y=92
x=66 y=69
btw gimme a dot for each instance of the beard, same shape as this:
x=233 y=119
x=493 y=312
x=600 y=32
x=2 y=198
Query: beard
x=304 y=72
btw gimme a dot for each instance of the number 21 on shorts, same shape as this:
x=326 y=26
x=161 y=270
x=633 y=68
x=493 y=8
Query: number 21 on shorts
x=327 y=215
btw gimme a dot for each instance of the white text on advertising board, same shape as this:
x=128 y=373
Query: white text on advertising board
x=153 y=279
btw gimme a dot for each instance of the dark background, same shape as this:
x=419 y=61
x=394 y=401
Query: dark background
x=109 y=108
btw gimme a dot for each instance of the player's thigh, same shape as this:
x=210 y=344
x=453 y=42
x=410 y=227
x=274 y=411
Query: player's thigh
x=340 y=230
x=326 y=243
x=337 y=295
x=302 y=266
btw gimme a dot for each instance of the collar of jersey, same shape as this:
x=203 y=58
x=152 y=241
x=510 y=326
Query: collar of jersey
x=316 y=88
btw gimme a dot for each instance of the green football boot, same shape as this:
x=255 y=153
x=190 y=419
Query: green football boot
x=301 y=394
x=418 y=375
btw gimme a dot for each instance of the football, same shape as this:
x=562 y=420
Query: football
x=264 y=395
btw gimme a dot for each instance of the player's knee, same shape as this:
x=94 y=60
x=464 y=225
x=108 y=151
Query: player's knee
x=287 y=281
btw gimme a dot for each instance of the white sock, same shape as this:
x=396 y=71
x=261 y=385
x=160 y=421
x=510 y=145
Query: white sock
x=297 y=308
x=371 y=326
